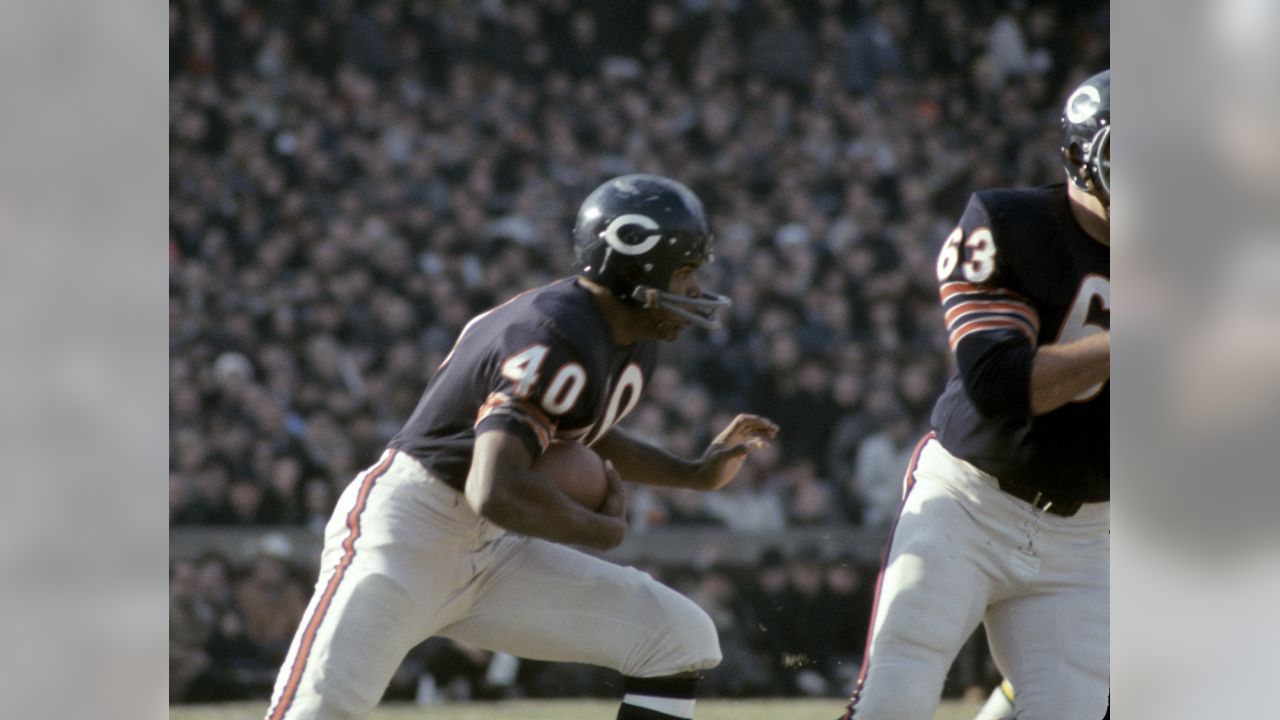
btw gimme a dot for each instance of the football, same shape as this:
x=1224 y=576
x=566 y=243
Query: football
x=577 y=470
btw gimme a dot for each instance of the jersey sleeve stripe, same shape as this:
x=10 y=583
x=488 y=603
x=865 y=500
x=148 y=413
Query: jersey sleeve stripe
x=1021 y=322
x=949 y=290
x=989 y=324
x=500 y=403
x=981 y=307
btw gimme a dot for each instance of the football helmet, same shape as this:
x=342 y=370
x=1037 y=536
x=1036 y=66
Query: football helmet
x=1086 y=136
x=634 y=232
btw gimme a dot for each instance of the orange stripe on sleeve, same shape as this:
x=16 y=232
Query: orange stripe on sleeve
x=541 y=424
x=987 y=306
x=949 y=290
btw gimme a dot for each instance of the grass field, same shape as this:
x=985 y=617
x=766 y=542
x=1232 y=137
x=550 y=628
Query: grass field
x=571 y=710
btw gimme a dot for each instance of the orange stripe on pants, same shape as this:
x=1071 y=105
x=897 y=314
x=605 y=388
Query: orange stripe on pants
x=349 y=553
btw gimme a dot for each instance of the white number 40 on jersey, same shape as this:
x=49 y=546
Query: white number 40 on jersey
x=563 y=390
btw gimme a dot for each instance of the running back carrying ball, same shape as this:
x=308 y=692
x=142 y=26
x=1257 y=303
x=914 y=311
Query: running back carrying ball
x=455 y=496
x=577 y=470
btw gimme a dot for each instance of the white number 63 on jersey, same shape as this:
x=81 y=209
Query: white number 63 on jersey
x=982 y=255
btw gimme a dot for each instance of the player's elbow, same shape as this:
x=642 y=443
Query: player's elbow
x=496 y=508
x=998 y=382
x=998 y=402
x=481 y=504
x=1042 y=403
x=486 y=498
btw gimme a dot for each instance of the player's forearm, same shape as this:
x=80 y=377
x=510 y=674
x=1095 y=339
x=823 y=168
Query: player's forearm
x=1060 y=372
x=529 y=505
x=640 y=462
x=502 y=488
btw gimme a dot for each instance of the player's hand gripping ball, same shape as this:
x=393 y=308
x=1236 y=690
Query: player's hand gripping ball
x=577 y=470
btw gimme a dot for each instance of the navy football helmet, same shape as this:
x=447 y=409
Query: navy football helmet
x=634 y=232
x=1086 y=136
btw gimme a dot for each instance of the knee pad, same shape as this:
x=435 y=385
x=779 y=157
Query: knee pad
x=682 y=638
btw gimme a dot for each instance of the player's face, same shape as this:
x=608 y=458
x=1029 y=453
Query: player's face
x=1094 y=217
x=684 y=282
x=1106 y=171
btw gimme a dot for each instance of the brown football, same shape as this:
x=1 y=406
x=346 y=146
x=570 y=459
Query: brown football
x=577 y=470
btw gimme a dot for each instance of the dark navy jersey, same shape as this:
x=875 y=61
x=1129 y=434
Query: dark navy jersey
x=1019 y=272
x=542 y=366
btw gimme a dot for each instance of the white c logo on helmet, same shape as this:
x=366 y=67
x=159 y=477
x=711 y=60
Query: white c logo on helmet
x=622 y=246
x=1083 y=104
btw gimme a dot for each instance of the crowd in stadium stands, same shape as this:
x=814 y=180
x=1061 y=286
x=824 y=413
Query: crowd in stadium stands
x=351 y=181
x=229 y=629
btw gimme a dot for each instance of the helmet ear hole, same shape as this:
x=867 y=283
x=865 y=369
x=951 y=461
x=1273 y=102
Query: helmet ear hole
x=630 y=276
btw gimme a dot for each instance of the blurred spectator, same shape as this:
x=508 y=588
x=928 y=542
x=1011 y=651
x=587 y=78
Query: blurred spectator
x=189 y=631
x=283 y=504
x=811 y=500
x=883 y=458
x=245 y=501
x=213 y=585
x=810 y=643
x=781 y=49
x=688 y=507
x=271 y=599
x=874 y=49
x=800 y=400
x=318 y=502
x=742 y=671
x=242 y=669
x=181 y=508
x=209 y=659
x=752 y=502
x=918 y=385
x=768 y=618
x=847 y=617
x=210 y=503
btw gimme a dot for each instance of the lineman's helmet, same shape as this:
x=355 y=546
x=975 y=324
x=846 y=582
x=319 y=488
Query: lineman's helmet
x=1086 y=136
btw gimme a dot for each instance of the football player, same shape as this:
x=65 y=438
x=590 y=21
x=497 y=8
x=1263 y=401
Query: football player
x=452 y=533
x=1006 y=519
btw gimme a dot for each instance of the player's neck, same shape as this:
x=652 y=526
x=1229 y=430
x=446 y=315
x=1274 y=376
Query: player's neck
x=1091 y=215
x=622 y=320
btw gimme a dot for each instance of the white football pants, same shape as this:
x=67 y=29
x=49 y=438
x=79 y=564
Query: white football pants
x=405 y=558
x=965 y=552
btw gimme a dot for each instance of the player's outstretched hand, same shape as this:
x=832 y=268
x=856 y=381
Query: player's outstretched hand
x=725 y=455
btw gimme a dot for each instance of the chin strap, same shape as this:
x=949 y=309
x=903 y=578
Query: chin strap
x=699 y=311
